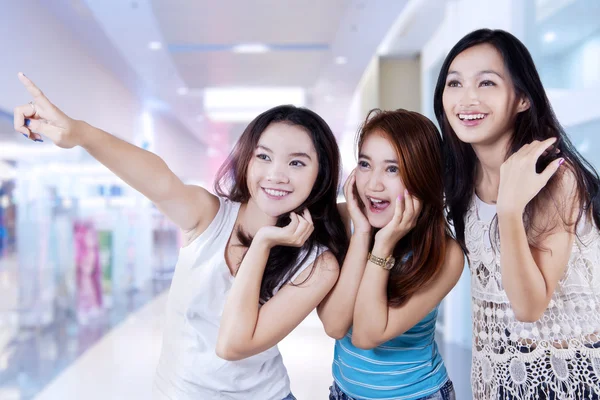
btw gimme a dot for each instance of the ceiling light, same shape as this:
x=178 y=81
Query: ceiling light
x=232 y=116
x=155 y=45
x=252 y=98
x=549 y=37
x=243 y=104
x=251 y=48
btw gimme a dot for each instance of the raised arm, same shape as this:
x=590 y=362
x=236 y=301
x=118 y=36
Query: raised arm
x=247 y=329
x=529 y=275
x=190 y=207
x=337 y=310
x=375 y=322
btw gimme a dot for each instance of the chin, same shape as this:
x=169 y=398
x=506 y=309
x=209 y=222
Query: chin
x=275 y=211
x=378 y=221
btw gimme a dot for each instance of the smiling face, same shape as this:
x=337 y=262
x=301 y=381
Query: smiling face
x=378 y=180
x=479 y=98
x=283 y=169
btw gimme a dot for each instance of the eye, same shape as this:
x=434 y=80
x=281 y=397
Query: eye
x=297 y=163
x=363 y=164
x=487 y=83
x=264 y=157
x=393 y=169
x=453 y=84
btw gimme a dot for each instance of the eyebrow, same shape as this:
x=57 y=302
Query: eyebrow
x=361 y=155
x=298 y=154
x=487 y=71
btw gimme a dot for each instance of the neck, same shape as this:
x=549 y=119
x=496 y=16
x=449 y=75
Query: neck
x=251 y=218
x=490 y=158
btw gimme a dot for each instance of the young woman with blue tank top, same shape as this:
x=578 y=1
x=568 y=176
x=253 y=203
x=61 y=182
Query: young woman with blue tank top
x=402 y=261
x=257 y=258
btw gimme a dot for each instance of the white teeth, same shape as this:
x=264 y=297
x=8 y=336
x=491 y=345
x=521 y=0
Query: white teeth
x=277 y=193
x=471 y=116
x=375 y=200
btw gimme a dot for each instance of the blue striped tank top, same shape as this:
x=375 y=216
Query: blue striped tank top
x=405 y=368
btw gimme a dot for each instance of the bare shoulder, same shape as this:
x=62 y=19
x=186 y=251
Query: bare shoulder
x=327 y=262
x=566 y=185
x=454 y=260
x=325 y=269
x=559 y=207
x=207 y=206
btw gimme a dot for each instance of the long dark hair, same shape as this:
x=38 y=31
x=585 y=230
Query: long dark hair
x=536 y=123
x=420 y=254
x=231 y=183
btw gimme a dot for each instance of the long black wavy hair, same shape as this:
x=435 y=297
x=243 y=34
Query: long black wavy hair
x=537 y=123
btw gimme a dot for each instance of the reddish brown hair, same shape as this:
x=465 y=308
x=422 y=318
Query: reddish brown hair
x=418 y=144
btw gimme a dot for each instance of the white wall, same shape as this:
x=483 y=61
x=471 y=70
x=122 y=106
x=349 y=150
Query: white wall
x=462 y=17
x=36 y=43
x=183 y=153
x=400 y=84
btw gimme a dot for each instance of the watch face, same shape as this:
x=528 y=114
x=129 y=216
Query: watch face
x=389 y=263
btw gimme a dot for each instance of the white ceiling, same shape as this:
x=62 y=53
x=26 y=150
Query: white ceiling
x=197 y=36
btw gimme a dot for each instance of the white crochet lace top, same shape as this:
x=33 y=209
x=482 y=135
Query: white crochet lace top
x=560 y=352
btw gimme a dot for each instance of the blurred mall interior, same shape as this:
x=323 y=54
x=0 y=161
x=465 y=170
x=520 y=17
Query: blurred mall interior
x=182 y=78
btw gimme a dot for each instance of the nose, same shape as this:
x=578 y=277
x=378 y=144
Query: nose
x=470 y=96
x=276 y=174
x=375 y=183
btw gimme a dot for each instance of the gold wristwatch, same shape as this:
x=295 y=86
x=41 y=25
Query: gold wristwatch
x=385 y=263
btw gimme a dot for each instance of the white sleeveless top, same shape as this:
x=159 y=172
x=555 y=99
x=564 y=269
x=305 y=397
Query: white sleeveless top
x=560 y=348
x=189 y=367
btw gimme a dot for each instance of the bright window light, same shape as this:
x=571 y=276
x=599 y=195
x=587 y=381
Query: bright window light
x=251 y=48
x=549 y=37
x=244 y=104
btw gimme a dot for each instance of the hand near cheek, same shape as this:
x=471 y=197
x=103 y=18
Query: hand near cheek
x=295 y=234
x=359 y=220
x=406 y=213
x=519 y=181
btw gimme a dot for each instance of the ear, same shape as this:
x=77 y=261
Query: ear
x=523 y=105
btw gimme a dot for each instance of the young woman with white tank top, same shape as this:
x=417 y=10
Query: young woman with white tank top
x=258 y=257
x=526 y=207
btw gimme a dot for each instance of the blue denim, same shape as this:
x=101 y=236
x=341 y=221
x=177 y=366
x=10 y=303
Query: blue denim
x=290 y=397
x=446 y=392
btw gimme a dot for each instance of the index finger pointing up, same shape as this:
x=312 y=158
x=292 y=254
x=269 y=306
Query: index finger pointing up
x=32 y=88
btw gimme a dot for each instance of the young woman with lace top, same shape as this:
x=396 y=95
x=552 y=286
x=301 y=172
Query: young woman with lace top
x=525 y=206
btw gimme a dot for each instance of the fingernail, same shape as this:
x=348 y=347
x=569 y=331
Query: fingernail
x=27 y=122
x=37 y=140
x=25 y=135
x=561 y=161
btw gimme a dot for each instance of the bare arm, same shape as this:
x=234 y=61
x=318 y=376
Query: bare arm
x=247 y=329
x=375 y=322
x=190 y=207
x=530 y=276
x=337 y=310
x=186 y=205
